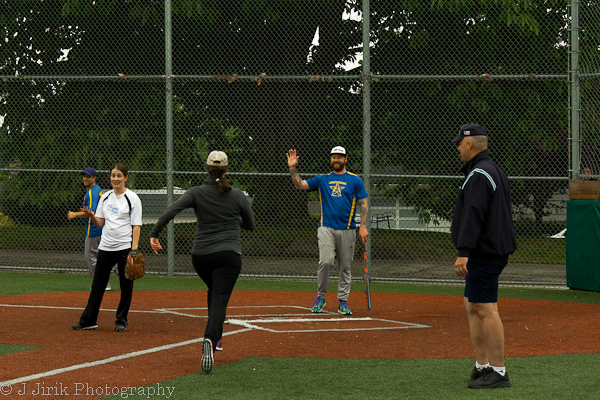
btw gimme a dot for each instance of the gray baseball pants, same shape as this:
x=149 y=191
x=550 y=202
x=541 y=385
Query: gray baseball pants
x=91 y=253
x=335 y=243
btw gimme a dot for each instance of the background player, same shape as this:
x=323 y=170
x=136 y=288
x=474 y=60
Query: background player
x=93 y=192
x=340 y=193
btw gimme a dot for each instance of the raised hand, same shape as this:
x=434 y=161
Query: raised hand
x=292 y=158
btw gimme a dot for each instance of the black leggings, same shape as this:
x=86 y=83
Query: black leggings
x=106 y=261
x=220 y=272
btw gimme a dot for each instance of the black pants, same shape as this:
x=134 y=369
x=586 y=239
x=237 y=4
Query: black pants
x=106 y=260
x=220 y=272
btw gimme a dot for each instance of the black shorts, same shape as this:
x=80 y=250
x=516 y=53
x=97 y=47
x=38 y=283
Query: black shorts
x=481 y=283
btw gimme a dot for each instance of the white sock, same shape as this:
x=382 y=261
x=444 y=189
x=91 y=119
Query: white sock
x=500 y=370
x=480 y=367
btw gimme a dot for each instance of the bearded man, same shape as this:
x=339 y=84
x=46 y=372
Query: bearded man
x=340 y=192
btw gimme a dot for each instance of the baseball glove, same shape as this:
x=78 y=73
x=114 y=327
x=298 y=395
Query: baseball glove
x=135 y=267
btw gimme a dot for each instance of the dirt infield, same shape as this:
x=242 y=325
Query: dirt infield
x=163 y=338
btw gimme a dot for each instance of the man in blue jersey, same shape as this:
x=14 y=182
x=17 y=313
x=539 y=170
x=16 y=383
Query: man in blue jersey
x=93 y=192
x=341 y=193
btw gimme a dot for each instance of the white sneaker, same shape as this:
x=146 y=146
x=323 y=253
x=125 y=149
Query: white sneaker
x=108 y=288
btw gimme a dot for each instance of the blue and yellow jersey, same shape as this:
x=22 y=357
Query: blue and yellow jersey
x=339 y=195
x=90 y=201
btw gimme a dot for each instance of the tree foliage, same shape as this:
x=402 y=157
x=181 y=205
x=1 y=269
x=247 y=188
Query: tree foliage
x=526 y=117
x=70 y=123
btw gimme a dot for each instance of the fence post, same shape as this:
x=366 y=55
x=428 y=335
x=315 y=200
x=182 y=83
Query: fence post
x=169 y=134
x=366 y=81
x=575 y=105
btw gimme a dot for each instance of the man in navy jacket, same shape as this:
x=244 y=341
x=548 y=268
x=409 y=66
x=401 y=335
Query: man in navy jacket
x=484 y=235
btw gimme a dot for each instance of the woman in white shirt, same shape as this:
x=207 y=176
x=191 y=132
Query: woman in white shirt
x=119 y=211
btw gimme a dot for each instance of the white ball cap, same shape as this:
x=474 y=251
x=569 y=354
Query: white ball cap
x=217 y=158
x=338 y=150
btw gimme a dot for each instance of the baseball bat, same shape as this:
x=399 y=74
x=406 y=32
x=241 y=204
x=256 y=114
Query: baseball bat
x=367 y=283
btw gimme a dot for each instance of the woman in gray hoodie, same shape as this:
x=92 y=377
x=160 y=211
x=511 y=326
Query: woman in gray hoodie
x=216 y=253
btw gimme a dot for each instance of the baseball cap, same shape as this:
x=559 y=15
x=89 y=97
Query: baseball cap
x=217 y=158
x=338 y=150
x=90 y=171
x=469 y=130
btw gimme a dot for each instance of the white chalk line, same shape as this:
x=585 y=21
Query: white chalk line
x=247 y=325
x=278 y=320
x=110 y=360
x=251 y=324
x=156 y=311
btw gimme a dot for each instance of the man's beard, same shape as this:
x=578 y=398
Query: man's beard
x=338 y=165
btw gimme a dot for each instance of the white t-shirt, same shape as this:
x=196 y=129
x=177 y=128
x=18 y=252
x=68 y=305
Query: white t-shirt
x=118 y=224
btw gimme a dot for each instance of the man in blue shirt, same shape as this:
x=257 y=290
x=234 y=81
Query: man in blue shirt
x=340 y=193
x=93 y=192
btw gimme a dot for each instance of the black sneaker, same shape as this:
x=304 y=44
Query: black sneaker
x=490 y=379
x=207 y=355
x=120 y=328
x=476 y=373
x=80 y=327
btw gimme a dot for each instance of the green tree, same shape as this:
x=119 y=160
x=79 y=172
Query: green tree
x=123 y=119
x=526 y=118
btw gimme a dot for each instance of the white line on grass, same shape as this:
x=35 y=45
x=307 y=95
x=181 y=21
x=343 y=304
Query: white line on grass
x=109 y=360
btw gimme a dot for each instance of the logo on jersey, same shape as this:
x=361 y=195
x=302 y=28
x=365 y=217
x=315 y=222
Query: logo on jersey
x=112 y=209
x=336 y=189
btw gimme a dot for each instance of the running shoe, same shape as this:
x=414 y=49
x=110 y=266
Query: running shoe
x=344 y=309
x=207 y=355
x=219 y=346
x=490 y=379
x=318 y=305
x=80 y=327
x=476 y=373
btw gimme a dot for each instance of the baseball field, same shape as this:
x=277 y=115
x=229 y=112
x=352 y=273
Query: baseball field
x=413 y=344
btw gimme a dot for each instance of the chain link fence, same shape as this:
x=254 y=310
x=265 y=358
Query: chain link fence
x=589 y=73
x=164 y=83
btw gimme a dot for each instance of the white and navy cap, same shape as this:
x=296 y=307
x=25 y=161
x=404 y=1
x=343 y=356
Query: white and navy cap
x=217 y=158
x=338 y=150
x=469 y=130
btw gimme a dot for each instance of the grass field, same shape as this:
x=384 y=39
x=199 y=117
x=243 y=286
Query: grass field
x=545 y=377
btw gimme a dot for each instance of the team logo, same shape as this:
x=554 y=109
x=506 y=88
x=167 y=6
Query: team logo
x=336 y=189
x=114 y=210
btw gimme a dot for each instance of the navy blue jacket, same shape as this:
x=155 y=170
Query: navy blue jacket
x=482 y=225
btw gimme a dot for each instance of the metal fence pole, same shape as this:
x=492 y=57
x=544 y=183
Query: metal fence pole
x=575 y=92
x=169 y=134
x=366 y=81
